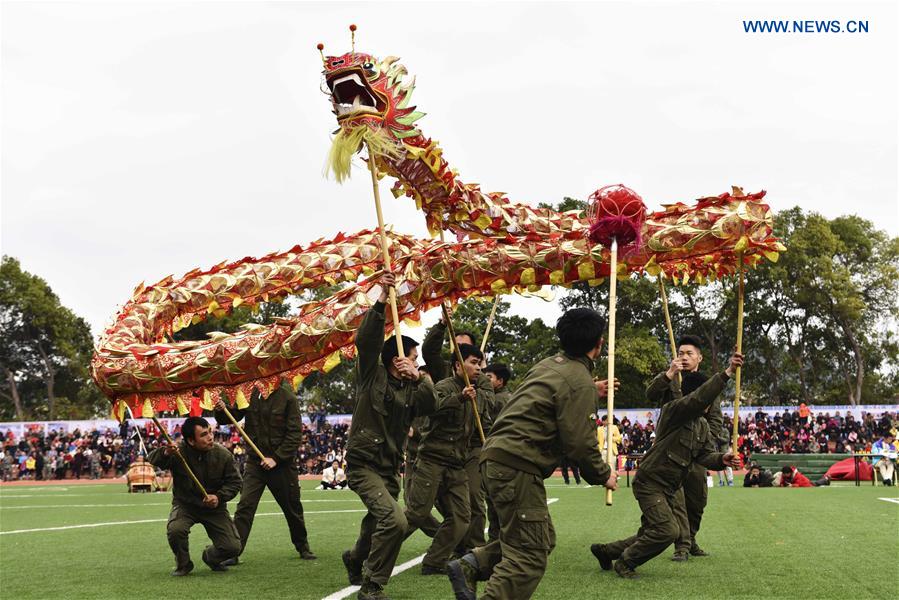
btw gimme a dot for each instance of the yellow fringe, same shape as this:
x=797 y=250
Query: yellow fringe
x=348 y=142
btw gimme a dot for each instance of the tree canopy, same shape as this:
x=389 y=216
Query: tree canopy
x=819 y=327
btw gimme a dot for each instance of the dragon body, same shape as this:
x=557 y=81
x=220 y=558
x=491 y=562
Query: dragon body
x=498 y=246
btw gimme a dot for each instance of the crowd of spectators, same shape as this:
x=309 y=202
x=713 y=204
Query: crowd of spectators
x=798 y=432
x=804 y=432
x=97 y=454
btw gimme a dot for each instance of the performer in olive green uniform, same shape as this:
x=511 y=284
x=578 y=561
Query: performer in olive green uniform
x=214 y=466
x=499 y=376
x=548 y=416
x=274 y=424
x=431 y=349
x=682 y=439
x=691 y=499
x=440 y=468
x=413 y=441
x=390 y=393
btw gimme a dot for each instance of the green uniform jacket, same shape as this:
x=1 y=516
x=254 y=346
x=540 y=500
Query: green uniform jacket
x=439 y=369
x=274 y=424
x=662 y=390
x=414 y=441
x=549 y=416
x=385 y=406
x=500 y=399
x=682 y=436
x=215 y=469
x=446 y=437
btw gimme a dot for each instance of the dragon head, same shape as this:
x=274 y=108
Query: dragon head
x=373 y=93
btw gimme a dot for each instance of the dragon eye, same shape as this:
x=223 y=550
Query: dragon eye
x=368 y=66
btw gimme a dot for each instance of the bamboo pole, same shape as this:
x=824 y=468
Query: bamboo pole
x=373 y=169
x=243 y=433
x=181 y=456
x=458 y=353
x=668 y=324
x=489 y=323
x=737 y=375
x=610 y=393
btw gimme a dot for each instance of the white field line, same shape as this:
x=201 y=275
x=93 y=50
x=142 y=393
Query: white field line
x=309 y=512
x=138 y=505
x=583 y=486
x=34 y=488
x=352 y=589
x=4 y=496
x=893 y=500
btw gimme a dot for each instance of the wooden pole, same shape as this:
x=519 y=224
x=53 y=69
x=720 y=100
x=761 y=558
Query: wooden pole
x=610 y=394
x=489 y=323
x=181 y=456
x=458 y=353
x=243 y=433
x=373 y=168
x=736 y=432
x=668 y=324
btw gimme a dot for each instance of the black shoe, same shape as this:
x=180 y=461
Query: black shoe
x=182 y=571
x=463 y=576
x=432 y=570
x=213 y=565
x=353 y=569
x=605 y=561
x=231 y=562
x=624 y=570
x=697 y=551
x=371 y=591
x=680 y=556
x=307 y=554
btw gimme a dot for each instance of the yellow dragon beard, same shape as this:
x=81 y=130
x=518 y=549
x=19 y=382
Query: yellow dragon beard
x=348 y=142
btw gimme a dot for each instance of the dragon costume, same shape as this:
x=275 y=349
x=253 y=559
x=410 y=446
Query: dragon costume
x=497 y=246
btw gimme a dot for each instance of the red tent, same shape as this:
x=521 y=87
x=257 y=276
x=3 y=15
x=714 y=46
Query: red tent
x=845 y=470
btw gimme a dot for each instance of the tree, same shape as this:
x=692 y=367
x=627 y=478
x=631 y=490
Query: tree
x=46 y=352
x=819 y=324
x=513 y=340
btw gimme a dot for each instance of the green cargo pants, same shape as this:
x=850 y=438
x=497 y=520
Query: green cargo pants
x=219 y=528
x=659 y=527
x=492 y=517
x=474 y=537
x=690 y=505
x=515 y=563
x=447 y=487
x=430 y=525
x=384 y=525
x=284 y=485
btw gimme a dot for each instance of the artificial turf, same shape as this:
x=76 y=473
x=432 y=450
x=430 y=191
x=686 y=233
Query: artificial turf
x=834 y=542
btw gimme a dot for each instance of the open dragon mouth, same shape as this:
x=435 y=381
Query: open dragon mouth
x=352 y=96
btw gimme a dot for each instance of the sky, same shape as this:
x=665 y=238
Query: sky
x=139 y=140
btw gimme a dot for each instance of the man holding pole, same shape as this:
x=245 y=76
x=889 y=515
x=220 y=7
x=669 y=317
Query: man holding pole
x=272 y=434
x=205 y=478
x=431 y=351
x=499 y=376
x=682 y=440
x=440 y=468
x=549 y=416
x=390 y=393
x=691 y=499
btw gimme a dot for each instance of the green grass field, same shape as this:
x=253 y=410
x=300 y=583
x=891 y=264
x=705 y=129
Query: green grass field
x=837 y=542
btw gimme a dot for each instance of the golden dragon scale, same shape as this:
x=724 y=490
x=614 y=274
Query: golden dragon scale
x=497 y=247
